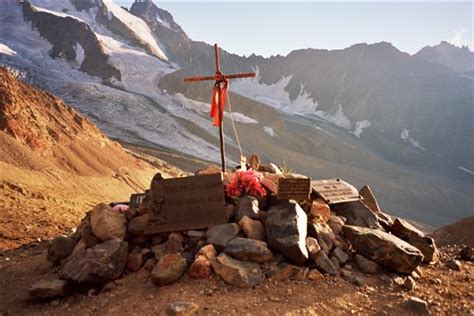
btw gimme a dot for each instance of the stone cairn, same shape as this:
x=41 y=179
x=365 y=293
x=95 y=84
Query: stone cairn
x=263 y=239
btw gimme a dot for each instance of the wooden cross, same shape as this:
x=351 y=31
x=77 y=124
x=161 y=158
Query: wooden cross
x=220 y=79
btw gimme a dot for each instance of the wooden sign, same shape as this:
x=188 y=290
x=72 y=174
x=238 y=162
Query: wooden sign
x=288 y=188
x=184 y=203
x=334 y=191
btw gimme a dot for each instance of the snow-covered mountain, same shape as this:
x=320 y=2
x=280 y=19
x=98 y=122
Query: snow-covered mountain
x=368 y=113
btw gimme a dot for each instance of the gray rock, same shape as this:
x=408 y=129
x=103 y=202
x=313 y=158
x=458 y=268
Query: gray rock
x=248 y=206
x=369 y=199
x=179 y=309
x=60 y=248
x=286 y=228
x=238 y=273
x=323 y=263
x=383 y=248
x=253 y=229
x=49 y=288
x=409 y=284
x=454 y=264
x=324 y=234
x=335 y=262
x=168 y=269
x=467 y=254
x=366 y=265
x=137 y=257
x=340 y=255
x=174 y=244
x=415 y=237
x=249 y=250
x=313 y=246
x=99 y=264
x=108 y=224
x=336 y=223
x=220 y=235
x=417 y=305
x=283 y=271
x=357 y=214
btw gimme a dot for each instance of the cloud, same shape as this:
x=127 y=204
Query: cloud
x=460 y=37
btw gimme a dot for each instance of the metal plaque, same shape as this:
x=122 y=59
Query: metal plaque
x=335 y=191
x=136 y=199
x=185 y=203
x=288 y=188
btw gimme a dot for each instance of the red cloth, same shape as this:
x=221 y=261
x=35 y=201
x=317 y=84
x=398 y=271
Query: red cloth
x=218 y=102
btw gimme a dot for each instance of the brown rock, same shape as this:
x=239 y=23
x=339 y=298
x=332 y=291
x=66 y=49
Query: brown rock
x=319 y=212
x=108 y=224
x=137 y=257
x=283 y=272
x=207 y=170
x=467 y=254
x=324 y=264
x=60 y=248
x=369 y=198
x=49 y=288
x=230 y=212
x=239 y=273
x=248 y=206
x=341 y=256
x=201 y=268
x=168 y=269
x=315 y=275
x=179 y=309
x=417 y=305
x=415 y=237
x=313 y=246
x=209 y=251
x=383 y=248
x=174 y=244
x=246 y=249
x=253 y=229
x=324 y=235
x=366 y=265
x=336 y=223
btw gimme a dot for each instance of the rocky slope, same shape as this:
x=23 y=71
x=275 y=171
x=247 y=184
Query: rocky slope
x=460 y=59
x=54 y=163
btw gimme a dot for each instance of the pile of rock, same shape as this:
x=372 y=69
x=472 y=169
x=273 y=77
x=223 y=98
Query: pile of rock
x=263 y=239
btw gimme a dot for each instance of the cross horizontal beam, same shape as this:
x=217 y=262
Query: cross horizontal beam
x=220 y=77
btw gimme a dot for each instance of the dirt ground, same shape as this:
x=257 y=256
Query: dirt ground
x=446 y=291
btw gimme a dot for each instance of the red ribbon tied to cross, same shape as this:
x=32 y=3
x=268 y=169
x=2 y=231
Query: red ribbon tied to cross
x=218 y=102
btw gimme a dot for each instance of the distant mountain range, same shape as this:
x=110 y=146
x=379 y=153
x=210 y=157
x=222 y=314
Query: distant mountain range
x=370 y=113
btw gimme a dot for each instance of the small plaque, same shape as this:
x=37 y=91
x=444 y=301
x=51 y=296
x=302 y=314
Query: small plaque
x=185 y=203
x=335 y=191
x=136 y=199
x=288 y=188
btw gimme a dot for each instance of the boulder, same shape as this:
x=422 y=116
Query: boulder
x=235 y=272
x=100 y=264
x=108 y=224
x=60 y=248
x=357 y=214
x=369 y=199
x=201 y=268
x=383 y=248
x=319 y=212
x=286 y=228
x=220 y=235
x=341 y=256
x=366 y=265
x=174 y=244
x=49 y=288
x=415 y=237
x=248 y=206
x=168 y=269
x=247 y=249
x=336 y=223
x=324 y=234
x=253 y=229
x=179 y=309
x=323 y=263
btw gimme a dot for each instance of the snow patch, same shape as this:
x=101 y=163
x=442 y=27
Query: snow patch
x=405 y=135
x=79 y=53
x=4 y=49
x=466 y=170
x=56 y=13
x=359 y=127
x=269 y=131
x=338 y=118
x=137 y=26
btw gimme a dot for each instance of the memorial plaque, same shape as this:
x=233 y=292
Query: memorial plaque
x=136 y=199
x=335 y=191
x=288 y=188
x=185 y=203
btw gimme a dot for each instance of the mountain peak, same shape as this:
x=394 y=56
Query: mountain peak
x=457 y=58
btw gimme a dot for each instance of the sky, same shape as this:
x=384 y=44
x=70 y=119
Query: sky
x=277 y=28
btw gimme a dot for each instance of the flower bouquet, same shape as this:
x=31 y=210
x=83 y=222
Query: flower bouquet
x=246 y=183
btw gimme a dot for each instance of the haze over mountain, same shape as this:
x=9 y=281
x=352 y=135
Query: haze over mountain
x=367 y=113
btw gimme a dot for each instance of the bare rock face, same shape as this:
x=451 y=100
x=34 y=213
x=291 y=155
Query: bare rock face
x=49 y=288
x=248 y=250
x=383 y=248
x=169 y=269
x=99 y=264
x=324 y=234
x=357 y=214
x=415 y=237
x=220 y=235
x=108 y=224
x=60 y=248
x=238 y=273
x=286 y=227
x=365 y=265
x=248 y=206
x=253 y=229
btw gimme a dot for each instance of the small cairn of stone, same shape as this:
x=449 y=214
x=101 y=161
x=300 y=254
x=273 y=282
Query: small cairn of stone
x=264 y=238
